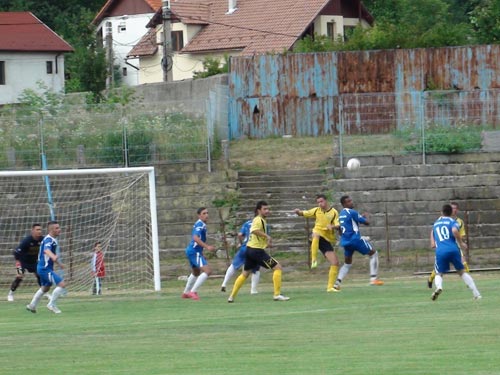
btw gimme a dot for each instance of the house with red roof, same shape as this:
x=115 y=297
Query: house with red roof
x=215 y=28
x=120 y=25
x=30 y=52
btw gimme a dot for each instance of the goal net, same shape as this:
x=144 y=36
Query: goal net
x=116 y=206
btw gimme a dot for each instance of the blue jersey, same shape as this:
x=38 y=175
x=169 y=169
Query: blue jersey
x=45 y=263
x=349 y=221
x=199 y=230
x=443 y=234
x=245 y=230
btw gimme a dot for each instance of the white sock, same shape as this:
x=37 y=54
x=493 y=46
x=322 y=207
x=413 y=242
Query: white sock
x=255 y=281
x=189 y=283
x=55 y=295
x=344 y=270
x=374 y=266
x=36 y=298
x=469 y=281
x=438 y=281
x=201 y=279
x=229 y=273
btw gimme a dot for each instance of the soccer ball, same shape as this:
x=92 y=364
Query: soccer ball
x=353 y=164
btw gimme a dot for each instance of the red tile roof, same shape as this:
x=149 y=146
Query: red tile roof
x=153 y=4
x=257 y=26
x=22 y=31
x=147 y=45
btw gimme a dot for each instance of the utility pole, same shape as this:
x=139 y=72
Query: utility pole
x=166 y=61
x=109 y=55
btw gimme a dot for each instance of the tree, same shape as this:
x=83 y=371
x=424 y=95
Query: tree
x=486 y=21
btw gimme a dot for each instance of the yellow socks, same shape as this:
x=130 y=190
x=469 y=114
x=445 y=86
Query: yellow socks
x=314 y=251
x=240 y=280
x=276 y=282
x=332 y=276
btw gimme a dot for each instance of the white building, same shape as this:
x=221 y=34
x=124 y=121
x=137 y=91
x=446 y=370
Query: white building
x=30 y=53
x=120 y=25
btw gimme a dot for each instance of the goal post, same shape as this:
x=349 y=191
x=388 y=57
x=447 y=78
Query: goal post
x=116 y=206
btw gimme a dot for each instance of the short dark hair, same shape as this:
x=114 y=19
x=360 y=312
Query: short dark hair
x=323 y=196
x=259 y=205
x=200 y=210
x=447 y=210
x=454 y=204
x=35 y=225
x=343 y=198
x=51 y=222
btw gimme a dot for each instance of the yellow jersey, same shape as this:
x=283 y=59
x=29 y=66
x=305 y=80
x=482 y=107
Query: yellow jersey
x=258 y=242
x=322 y=219
x=461 y=225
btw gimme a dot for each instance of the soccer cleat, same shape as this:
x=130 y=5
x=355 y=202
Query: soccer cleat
x=185 y=295
x=222 y=288
x=280 y=297
x=376 y=282
x=478 y=297
x=333 y=290
x=429 y=283
x=54 y=309
x=230 y=299
x=10 y=297
x=254 y=292
x=436 y=294
x=314 y=264
x=31 y=308
x=194 y=296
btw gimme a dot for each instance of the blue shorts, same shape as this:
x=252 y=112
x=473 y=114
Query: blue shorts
x=239 y=259
x=444 y=258
x=360 y=245
x=196 y=260
x=49 y=278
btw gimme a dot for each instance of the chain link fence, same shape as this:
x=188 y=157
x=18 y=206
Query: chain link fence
x=79 y=136
x=415 y=122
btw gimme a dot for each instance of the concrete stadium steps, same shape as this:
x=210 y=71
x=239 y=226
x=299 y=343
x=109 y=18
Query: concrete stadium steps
x=412 y=196
x=283 y=191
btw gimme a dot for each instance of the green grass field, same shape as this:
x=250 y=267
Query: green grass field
x=393 y=329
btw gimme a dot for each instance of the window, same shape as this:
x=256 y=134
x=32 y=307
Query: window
x=124 y=72
x=177 y=40
x=330 y=30
x=48 y=65
x=2 y=72
x=122 y=27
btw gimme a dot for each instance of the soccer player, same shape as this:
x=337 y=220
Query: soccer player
x=323 y=237
x=98 y=268
x=26 y=256
x=351 y=241
x=446 y=239
x=239 y=260
x=256 y=254
x=194 y=252
x=45 y=269
x=461 y=225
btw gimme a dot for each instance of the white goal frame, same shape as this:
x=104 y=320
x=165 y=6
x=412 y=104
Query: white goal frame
x=152 y=200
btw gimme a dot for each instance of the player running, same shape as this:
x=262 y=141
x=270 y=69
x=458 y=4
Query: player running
x=45 y=269
x=352 y=241
x=26 y=256
x=446 y=239
x=461 y=225
x=323 y=237
x=257 y=255
x=194 y=252
x=239 y=260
